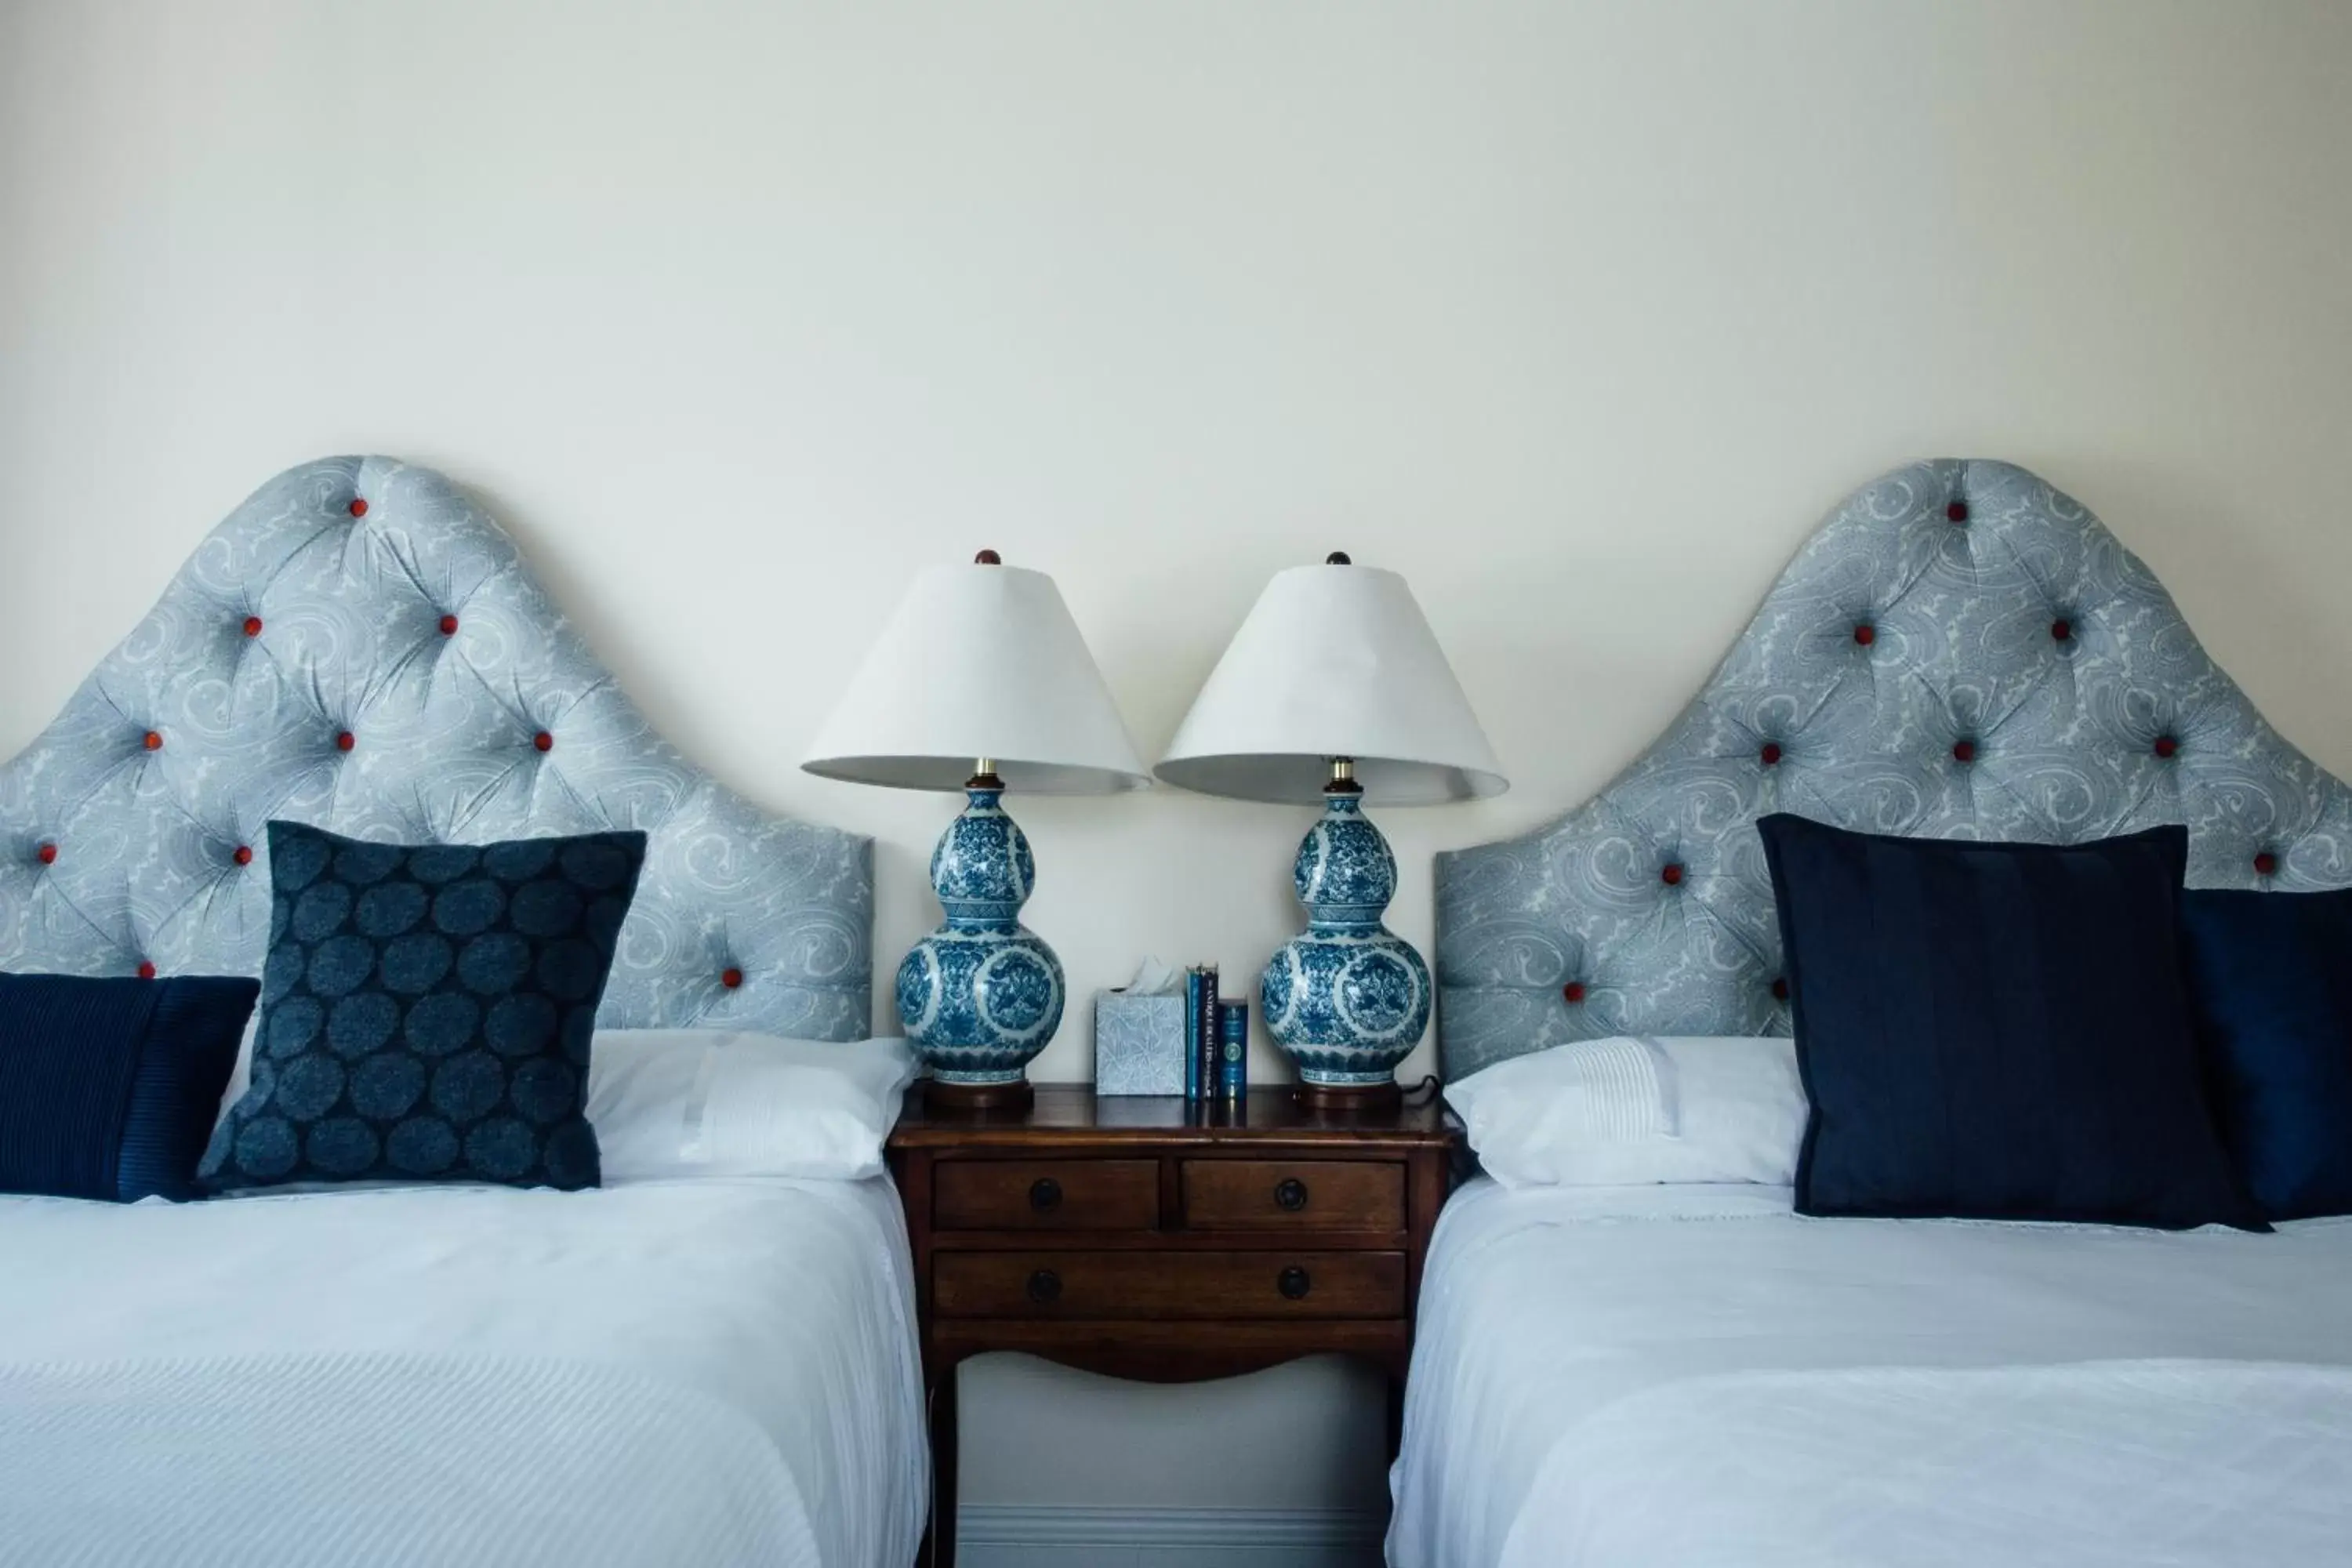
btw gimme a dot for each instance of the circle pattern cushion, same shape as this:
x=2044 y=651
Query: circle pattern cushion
x=1962 y=650
x=426 y=1011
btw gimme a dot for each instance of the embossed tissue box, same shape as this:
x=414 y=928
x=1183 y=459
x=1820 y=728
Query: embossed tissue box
x=1139 y=1044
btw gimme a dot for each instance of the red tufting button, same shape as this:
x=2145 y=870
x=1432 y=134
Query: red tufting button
x=1964 y=750
x=46 y=854
x=2266 y=864
x=1958 y=511
x=2166 y=745
x=543 y=741
x=448 y=625
x=1771 y=754
x=730 y=978
x=243 y=856
x=359 y=507
x=345 y=739
x=1780 y=990
x=2061 y=629
x=1671 y=875
x=1573 y=991
x=153 y=741
x=146 y=970
x=253 y=625
x=1865 y=633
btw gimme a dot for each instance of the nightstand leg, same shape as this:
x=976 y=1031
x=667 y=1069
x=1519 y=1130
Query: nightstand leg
x=939 y=1540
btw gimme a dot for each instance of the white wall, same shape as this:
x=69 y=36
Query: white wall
x=1580 y=315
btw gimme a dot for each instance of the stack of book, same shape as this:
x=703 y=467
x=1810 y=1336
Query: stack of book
x=1216 y=1037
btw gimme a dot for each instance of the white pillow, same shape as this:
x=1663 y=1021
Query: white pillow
x=1626 y=1111
x=716 y=1102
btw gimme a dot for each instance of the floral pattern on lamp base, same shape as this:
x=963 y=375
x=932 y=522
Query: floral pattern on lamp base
x=982 y=994
x=1347 y=998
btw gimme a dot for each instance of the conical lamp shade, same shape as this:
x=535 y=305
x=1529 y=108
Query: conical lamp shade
x=1334 y=661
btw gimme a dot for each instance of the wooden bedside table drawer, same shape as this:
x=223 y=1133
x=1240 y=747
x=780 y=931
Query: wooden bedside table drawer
x=1169 y=1285
x=1294 y=1194
x=1046 y=1194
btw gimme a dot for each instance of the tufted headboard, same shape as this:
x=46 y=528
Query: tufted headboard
x=359 y=647
x=1961 y=651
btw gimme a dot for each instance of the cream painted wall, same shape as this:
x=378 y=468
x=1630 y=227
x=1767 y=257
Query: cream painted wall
x=1577 y=314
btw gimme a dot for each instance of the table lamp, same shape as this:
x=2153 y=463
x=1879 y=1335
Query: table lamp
x=980 y=682
x=1334 y=686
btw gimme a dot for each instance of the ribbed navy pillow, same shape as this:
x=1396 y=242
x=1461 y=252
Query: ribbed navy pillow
x=1996 y=1031
x=2270 y=975
x=109 y=1087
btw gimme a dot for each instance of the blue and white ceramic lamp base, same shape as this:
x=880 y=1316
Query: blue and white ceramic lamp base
x=982 y=994
x=1348 y=997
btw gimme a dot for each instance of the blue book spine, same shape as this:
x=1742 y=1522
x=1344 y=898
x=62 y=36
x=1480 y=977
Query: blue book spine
x=1192 y=1086
x=1232 y=1064
x=1205 y=1044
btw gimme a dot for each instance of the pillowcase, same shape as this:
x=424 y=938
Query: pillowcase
x=1996 y=1031
x=1629 y=1112
x=107 y=1088
x=427 y=1011
x=716 y=1103
x=2270 y=979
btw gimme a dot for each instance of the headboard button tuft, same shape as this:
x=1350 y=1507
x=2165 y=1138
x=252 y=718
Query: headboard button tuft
x=448 y=625
x=2061 y=629
x=2166 y=746
x=544 y=742
x=345 y=739
x=46 y=854
x=730 y=978
x=1865 y=633
x=1771 y=755
x=146 y=970
x=1964 y=750
x=1573 y=992
x=243 y=855
x=2266 y=864
x=152 y=741
x=358 y=507
x=1958 y=511
x=253 y=625
x=1671 y=874
x=1780 y=990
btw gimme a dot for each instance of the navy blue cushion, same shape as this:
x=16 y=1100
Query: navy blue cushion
x=426 y=1011
x=2270 y=977
x=1996 y=1031
x=108 y=1088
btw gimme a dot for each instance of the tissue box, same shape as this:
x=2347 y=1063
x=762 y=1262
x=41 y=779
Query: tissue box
x=1139 y=1043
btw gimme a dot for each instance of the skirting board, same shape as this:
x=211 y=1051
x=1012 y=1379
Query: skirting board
x=1021 y=1537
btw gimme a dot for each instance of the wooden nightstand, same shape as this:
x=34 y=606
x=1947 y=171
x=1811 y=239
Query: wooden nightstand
x=1151 y=1238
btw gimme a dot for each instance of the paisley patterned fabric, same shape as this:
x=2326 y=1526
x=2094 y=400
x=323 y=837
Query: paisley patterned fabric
x=359 y=648
x=1961 y=651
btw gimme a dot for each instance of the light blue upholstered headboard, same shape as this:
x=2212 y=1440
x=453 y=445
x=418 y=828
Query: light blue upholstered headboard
x=359 y=647
x=1961 y=651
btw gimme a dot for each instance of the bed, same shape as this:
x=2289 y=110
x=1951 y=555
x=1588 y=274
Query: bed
x=696 y=1370
x=1696 y=1374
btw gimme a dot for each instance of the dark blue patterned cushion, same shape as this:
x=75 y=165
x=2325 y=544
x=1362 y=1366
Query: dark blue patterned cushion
x=1996 y=1031
x=2271 y=978
x=426 y=1011
x=107 y=1088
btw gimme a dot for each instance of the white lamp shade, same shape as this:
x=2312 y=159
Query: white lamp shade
x=979 y=661
x=1334 y=661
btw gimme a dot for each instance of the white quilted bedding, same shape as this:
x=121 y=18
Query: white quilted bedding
x=1699 y=1378
x=702 y=1372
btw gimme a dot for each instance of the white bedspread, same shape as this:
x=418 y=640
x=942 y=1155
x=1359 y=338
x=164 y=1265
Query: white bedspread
x=707 y=1371
x=1696 y=1376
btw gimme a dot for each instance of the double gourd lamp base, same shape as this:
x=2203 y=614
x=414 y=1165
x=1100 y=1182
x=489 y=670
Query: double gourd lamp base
x=982 y=683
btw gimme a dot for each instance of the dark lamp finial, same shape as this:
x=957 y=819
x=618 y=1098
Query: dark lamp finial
x=988 y=558
x=1338 y=558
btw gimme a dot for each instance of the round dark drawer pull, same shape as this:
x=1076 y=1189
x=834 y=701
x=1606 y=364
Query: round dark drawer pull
x=1290 y=1194
x=1044 y=1194
x=1044 y=1285
x=1294 y=1284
